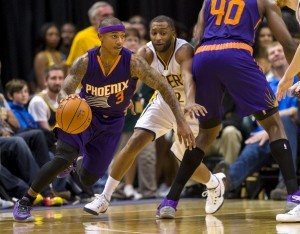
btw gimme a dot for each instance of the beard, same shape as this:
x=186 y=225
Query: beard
x=166 y=46
x=54 y=89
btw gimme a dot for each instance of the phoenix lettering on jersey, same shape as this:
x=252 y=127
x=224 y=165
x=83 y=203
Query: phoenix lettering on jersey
x=107 y=89
x=174 y=80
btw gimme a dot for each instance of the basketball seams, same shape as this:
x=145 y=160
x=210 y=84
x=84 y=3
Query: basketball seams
x=74 y=115
x=61 y=116
x=87 y=116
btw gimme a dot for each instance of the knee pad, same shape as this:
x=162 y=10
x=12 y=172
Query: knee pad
x=66 y=151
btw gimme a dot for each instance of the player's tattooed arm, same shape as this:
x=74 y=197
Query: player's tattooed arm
x=77 y=71
x=141 y=69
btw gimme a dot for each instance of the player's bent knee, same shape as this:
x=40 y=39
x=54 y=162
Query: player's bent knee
x=140 y=139
x=66 y=151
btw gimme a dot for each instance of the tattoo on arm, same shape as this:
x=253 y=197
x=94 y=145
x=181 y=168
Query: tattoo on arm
x=140 y=68
x=77 y=71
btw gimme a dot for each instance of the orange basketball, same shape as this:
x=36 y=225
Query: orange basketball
x=73 y=115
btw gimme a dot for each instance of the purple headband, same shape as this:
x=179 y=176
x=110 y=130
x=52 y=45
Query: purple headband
x=112 y=28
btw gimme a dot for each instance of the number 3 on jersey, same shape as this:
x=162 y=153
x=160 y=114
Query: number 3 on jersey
x=222 y=10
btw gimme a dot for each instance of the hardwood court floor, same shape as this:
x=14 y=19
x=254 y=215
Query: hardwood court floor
x=236 y=216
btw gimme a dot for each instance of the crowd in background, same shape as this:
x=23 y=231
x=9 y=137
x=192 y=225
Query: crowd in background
x=27 y=116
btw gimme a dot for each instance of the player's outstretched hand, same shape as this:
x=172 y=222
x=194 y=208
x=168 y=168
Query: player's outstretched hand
x=195 y=110
x=284 y=86
x=186 y=135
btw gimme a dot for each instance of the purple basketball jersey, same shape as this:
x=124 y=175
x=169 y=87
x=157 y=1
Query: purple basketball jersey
x=231 y=19
x=108 y=94
x=224 y=60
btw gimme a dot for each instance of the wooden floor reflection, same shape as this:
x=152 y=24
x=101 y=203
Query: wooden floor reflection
x=236 y=216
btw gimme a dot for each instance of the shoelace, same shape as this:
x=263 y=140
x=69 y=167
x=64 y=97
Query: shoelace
x=99 y=197
x=211 y=195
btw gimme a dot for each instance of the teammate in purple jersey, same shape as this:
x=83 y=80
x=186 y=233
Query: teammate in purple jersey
x=223 y=60
x=108 y=76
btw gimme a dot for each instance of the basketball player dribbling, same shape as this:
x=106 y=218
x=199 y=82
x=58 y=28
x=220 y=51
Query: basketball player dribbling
x=108 y=75
x=223 y=61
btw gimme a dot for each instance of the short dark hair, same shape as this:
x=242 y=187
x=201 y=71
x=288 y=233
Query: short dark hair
x=163 y=18
x=54 y=67
x=110 y=21
x=15 y=85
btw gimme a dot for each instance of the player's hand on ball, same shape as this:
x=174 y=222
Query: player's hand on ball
x=186 y=135
x=73 y=95
x=195 y=110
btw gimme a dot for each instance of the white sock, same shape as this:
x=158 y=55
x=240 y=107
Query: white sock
x=213 y=182
x=110 y=187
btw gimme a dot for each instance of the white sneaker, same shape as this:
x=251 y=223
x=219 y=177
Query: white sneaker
x=215 y=196
x=99 y=205
x=291 y=216
x=5 y=204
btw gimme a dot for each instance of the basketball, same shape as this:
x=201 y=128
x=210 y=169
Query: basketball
x=73 y=115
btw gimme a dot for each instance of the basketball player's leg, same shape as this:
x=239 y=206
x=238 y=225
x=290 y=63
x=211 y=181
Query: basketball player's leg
x=253 y=94
x=65 y=154
x=156 y=121
x=192 y=167
x=281 y=150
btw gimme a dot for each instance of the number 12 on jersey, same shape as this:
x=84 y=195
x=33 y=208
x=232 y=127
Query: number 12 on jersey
x=223 y=10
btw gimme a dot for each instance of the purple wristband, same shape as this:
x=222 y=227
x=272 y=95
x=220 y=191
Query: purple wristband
x=112 y=28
